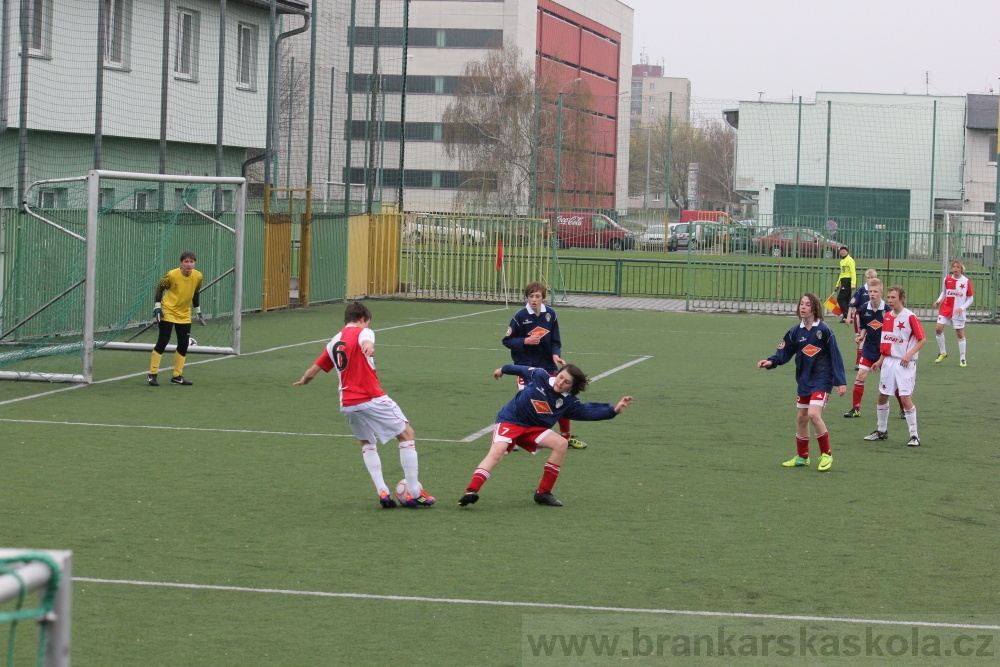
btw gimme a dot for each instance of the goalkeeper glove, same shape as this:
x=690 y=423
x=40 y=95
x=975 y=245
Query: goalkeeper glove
x=157 y=312
x=201 y=320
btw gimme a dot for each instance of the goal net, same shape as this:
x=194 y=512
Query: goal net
x=35 y=586
x=87 y=253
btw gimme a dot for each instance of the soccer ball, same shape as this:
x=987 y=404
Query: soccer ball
x=401 y=492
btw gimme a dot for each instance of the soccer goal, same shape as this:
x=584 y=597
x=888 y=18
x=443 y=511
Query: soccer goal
x=87 y=254
x=969 y=235
x=35 y=586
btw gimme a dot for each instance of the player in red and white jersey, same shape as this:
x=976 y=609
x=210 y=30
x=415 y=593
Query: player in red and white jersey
x=902 y=338
x=955 y=299
x=371 y=414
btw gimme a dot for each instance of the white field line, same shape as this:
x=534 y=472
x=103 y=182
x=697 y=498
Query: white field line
x=245 y=354
x=196 y=428
x=483 y=431
x=541 y=605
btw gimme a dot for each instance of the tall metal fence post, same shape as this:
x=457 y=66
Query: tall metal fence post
x=668 y=168
x=558 y=183
x=534 y=152
x=402 y=108
x=798 y=162
x=996 y=235
x=288 y=143
x=220 y=99
x=349 y=131
x=329 y=141
x=826 y=205
x=310 y=134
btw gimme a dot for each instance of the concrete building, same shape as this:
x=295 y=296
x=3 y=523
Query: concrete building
x=589 y=40
x=650 y=96
x=142 y=96
x=867 y=161
x=980 y=172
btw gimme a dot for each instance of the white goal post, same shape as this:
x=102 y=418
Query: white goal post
x=32 y=572
x=90 y=240
x=987 y=228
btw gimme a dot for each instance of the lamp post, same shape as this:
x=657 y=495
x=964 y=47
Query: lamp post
x=617 y=111
x=380 y=175
x=558 y=182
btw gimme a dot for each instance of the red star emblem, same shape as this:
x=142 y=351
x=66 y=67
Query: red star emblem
x=901 y=326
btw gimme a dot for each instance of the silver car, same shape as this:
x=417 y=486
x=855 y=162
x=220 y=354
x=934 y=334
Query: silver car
x=651 y=238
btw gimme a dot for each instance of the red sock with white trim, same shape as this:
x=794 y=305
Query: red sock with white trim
x=564 y=428
x=802 y=446
x=859 y=392
x=549 y=477
x=478 y=479
x=824 y=442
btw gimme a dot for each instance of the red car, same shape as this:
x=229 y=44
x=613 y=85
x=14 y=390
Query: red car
x=797 y=243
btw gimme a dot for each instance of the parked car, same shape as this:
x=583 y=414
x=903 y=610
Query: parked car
x=679 y=236
x=591 y=230
x=742 y=236
x=797 y=243
x=441 y=230
x=652 y=238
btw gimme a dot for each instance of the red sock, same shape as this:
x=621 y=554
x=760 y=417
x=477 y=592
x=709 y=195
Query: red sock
x=478 y=479
x=549 y=478
x=857 y=358
x=564 y=428
x=824 y=442
x=859 y=391
x=802 y=446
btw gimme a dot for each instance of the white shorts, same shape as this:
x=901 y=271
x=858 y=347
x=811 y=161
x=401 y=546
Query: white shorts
x=896 y=377
x=378 y=418
x=958 y=321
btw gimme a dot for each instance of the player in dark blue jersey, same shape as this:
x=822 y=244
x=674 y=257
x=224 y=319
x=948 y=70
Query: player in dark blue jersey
x=818 y=369
x=854 y=306
x=870 y=323
x=533 y=340
x=527 y=419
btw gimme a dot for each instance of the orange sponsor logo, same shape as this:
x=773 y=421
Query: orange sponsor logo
x=538 y=331
x=811 y=350
x=541 y=407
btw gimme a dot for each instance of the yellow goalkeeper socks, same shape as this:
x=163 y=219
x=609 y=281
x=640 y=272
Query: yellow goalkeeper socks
x=178 y=364
x=154 y=363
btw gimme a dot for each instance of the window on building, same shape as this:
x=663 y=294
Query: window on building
x=656 y=196
x=7 y=197
x=143 y=200
x=652 y=86
x=105 y=198
x=989 y=207
x=186 y=46
x=39 y=27
x=652 y=111
x=991 y=146
x=117 y=32
x=53 y=198
x=246 y=57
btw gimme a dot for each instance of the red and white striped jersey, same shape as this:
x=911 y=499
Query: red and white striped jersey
x=356 y=372
x=957 y=293
x=900 y=333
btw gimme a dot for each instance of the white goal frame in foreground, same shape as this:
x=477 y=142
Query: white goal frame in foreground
x=35 y=575
x=948 y=217
x=93 y=179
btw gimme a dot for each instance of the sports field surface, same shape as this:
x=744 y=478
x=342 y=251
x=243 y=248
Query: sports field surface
x=234 y=523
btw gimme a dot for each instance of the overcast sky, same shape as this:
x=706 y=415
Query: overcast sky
x=733 y=49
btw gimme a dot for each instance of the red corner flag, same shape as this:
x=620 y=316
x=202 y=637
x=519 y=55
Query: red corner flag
x=499 y=254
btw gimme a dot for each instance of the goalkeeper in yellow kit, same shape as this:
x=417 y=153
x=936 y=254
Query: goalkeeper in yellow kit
x=176 y=295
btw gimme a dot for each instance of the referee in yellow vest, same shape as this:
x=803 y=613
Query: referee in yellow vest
x=846 y=282
x=176 y=294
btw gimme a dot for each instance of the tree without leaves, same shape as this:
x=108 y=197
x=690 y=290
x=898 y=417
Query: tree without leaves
x=711 y=145
x=490 y=130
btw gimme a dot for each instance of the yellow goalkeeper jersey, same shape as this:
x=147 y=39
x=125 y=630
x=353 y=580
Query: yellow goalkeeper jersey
x=848 y=270
x=176 y=293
